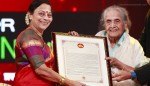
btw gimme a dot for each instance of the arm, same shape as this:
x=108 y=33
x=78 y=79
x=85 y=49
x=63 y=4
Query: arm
x=116 y=63
x=143 y=73
x=140 y=75
x=139 y=55
x=125 y=69
x=33 y=51
x=50 y=75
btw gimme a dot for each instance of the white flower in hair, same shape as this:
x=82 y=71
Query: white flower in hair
x=27 y=19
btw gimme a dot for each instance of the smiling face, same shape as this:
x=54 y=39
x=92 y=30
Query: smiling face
x=41 y=17
x=114 y=24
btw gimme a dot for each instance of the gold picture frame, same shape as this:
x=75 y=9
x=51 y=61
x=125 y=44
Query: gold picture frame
x=82 y=58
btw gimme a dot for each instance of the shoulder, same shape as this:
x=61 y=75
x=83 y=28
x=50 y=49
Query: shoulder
x=27 y=37
x=25 y=34
x=134 y=42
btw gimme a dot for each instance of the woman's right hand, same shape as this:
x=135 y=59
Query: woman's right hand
x=73 y=33
x=68 y=82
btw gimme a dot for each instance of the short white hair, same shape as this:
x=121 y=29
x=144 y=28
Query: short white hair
x=123 y=12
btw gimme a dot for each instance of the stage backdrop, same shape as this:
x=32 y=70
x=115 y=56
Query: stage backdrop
x=78 y=15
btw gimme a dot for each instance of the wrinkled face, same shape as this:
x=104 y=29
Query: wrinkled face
x=114 y=24
x=42 y=17
x=148 y=1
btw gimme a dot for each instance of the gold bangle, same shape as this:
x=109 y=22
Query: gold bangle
x=61 y=82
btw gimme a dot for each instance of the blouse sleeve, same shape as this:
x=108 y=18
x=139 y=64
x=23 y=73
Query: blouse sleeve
x=33 y=51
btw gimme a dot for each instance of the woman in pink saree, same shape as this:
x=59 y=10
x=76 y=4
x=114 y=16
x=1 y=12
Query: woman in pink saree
x=34 y=58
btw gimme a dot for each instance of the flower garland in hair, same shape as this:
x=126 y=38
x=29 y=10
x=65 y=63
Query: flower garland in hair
x=27 y=19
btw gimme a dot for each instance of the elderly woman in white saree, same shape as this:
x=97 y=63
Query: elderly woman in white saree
x=123 y=48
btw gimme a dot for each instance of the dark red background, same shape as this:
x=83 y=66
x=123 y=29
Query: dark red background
x=77 y=10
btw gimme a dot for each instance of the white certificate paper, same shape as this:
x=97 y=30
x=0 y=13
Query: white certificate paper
x=82 y=58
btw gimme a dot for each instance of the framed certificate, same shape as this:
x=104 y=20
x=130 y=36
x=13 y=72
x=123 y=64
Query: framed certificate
x=82 y=58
